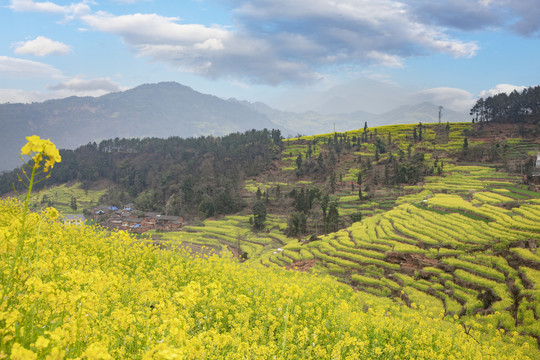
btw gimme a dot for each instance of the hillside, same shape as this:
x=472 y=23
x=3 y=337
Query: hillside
x=462 y=241
x=434 y=256
x=92 y=294
x=171 y=109
x=154 y=110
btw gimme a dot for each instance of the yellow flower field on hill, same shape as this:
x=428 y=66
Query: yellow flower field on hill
x=81 y=292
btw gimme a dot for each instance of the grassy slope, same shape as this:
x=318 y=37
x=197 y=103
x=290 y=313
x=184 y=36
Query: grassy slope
x=61 y=198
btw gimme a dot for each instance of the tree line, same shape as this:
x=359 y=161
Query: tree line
x=186 y=177
x=516 y=107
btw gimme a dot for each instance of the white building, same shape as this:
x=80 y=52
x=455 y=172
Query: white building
x=74 y=219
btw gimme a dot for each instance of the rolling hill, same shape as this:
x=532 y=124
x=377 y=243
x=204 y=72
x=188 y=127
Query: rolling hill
x=155 y=110
x=171 y=109
x=434 y=255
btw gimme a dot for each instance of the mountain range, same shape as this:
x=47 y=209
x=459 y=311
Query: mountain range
x=171 y=109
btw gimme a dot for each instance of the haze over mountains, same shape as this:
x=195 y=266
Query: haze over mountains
x=171 y=109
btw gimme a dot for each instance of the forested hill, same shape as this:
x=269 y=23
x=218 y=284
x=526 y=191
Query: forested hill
x=177 y=176
x=151 y=110
x=516 y=107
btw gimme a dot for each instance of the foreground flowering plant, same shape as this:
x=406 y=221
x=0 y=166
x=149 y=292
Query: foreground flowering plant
x=38 y=150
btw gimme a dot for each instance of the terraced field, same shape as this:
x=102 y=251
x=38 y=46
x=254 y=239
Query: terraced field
x=461 y=243
x=459 y=255
x=61 y=195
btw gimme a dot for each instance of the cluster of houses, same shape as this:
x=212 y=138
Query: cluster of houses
x=135 y=221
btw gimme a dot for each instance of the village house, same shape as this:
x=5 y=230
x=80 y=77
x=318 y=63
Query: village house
x=169 y=223
x=101 y=209
x=129 y=222
x=129 y=219
x=75 y=219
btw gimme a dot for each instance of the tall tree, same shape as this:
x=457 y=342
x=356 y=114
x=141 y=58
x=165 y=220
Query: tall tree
x=333 y=217
x=259 y=215
x=73 y=204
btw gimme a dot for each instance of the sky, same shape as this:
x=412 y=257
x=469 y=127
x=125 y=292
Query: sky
x=290 y=54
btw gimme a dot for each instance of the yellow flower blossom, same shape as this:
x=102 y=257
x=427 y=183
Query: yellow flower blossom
x=97 y=351
x=41 y=343
x=20 y=353
x=51 y=213
x=38 y=148
x=95 y=294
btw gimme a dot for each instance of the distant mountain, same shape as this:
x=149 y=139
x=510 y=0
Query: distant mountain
x=315 y=123
x=425 y=112
x=362 y=93
x=170 y=109
x=311 y=122
x=157 y=110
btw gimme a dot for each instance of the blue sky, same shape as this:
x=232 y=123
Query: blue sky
x=287 y=53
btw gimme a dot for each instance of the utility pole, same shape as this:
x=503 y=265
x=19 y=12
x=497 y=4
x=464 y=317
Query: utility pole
x=440 y=114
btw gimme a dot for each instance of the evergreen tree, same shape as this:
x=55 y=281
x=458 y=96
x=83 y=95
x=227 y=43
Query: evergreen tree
x=359 y=181
x=320 y=160
x=73 y=204
x=259 y=215
x=332 y=182
x=333 y=217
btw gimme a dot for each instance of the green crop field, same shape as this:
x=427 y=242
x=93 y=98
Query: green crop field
x=60 y=197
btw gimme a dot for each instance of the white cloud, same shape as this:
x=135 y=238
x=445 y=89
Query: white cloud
x=525 y=16
x=137 y=29
x=391 y=61
x=20 y=96
x=269 y=45
x=451 y=98
x=69 y=11
x=42 y=46
x=29 y=5
x=210 y=51
x=501 y=88
x=80 y=85
x=77 y=86
x=353 y=27
x=14 y=67
x=280 y=41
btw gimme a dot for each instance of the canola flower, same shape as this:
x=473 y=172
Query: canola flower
x=38 y=149
x=81 y=292
x=91 y=294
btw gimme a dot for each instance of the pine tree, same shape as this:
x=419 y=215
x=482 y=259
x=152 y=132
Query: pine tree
x=73 y=204
x=259 y=215
x=333 y=217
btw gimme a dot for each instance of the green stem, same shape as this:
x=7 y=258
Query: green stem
x=20 y=242
x=285 y=329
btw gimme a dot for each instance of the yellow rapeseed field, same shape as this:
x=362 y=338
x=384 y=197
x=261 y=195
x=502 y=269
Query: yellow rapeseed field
x=81 y=292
